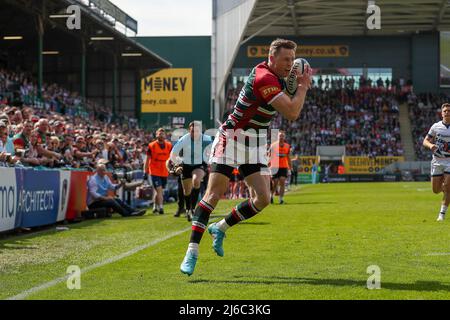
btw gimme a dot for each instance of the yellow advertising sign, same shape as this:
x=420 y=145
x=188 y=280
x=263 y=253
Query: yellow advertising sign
x=168 y=90
x=303 y=51
x=306 y=163
x=364 y=165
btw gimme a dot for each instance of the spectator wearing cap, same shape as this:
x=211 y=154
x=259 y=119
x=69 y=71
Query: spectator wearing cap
x=80 y=152
x=58 y=129
x=66 y=148
x=21 y=140
x=42 y=126
x=4 y=117
x=98 y=187
x=31 y=155
x=114 y=156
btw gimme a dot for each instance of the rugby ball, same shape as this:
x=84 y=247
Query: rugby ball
x=291 y=80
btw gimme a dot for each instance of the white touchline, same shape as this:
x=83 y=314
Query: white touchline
x=56 y=281
x=438 y=254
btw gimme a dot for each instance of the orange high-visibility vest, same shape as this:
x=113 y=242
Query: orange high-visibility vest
x=279 y=155
x=158 y=157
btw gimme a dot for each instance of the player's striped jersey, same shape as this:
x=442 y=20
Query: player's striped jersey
x=253 y=107
x=441 y=134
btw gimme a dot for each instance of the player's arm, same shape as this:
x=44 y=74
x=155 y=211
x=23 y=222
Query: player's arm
x=147 y=160
x=291 y=108
x=176 y=149
x=428 y=143
x=289 y=161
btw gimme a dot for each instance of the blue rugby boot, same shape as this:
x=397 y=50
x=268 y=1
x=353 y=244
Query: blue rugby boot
x=218 y=236
x=188 y=264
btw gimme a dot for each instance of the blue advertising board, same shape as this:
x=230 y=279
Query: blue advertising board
x=37 y=199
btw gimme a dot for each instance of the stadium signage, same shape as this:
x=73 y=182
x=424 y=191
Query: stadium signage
x=36 y=201
x=38 y=196
x=319 y=51
x=165 y=84
x=306 y=163
x=7 y=199
x=368 y=165
x=167 y=90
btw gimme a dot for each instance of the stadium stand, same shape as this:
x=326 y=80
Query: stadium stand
x=365 y=120
x=60 y=130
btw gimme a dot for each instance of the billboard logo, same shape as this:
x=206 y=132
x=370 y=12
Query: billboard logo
x=7 y=202
x=165 y=84
x=167 y=90
x=374 y=20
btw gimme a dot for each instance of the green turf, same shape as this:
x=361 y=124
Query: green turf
x=316 y=246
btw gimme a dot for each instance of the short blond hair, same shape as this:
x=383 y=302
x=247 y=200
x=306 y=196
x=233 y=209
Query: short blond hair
x=281 y=43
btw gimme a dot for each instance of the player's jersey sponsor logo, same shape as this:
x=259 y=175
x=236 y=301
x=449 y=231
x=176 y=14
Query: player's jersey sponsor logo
x=266 y=91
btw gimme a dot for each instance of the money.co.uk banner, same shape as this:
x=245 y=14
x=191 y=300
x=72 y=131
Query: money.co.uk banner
x=167 y=90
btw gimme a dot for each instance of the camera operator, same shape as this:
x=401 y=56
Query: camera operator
x=98 y=186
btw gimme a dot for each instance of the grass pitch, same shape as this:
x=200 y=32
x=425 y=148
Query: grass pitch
x=316 y=246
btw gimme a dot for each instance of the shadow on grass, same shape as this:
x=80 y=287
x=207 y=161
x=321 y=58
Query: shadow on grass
x=254 y=223
x=417 y=286
x=290 y=203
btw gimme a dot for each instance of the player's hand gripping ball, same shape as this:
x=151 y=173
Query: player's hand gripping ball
x=299 y=66
x=178 y=170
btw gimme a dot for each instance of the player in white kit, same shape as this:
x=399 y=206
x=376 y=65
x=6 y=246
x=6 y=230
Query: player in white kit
x=438 y=141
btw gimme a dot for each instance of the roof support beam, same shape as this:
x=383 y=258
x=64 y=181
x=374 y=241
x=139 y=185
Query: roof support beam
x=291 y=6
x=268 y=13
x=264 y=28
x=440 y=14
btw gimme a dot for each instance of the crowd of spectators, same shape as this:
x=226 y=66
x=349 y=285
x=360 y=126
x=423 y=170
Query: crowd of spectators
x=365 y=120
x=62 y=130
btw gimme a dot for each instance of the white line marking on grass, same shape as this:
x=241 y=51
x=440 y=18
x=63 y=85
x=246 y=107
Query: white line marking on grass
x=56 y=281
x=438 y=254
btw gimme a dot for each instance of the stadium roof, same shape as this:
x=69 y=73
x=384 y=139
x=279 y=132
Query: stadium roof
x=345 y=17
x=251 y=18
x=62 y=39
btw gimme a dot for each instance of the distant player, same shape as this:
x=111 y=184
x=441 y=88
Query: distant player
x=189 y=154
x=237 y=185
x=155 y=165
x=234 y=182
x=259 y=100
x=438 y=140
x=280 y=164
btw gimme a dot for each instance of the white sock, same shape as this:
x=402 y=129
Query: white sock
x=222 y=225
x=160 y=206
x=281 y=198
x=193 y=247
x=443 y=209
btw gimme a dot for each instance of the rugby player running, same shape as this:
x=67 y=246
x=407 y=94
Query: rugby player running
x=259 y=100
